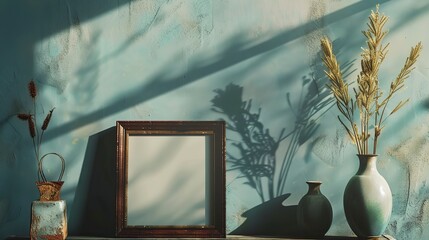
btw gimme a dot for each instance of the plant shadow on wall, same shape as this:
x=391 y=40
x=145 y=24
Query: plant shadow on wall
x=257 y=149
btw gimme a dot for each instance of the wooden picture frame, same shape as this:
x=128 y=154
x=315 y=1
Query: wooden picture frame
x=170 y=179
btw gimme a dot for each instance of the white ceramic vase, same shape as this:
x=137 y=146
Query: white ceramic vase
x=367 y=199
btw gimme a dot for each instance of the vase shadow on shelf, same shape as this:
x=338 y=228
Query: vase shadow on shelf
x=270 y=218
x=94 y=204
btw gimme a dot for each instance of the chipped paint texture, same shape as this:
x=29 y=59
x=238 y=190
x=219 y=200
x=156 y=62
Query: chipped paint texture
x=101 y=61
x=48 y=220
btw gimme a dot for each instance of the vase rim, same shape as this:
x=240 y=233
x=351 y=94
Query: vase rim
x=368 y=154
x=314 y=182
x=50 y=182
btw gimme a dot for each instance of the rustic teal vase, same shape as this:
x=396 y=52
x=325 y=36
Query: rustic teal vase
x=48 y=220
x=314 y=212
x=367 y=199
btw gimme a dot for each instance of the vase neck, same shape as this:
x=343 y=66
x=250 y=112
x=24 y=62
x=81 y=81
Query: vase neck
x=367 y=164
x=313 y=187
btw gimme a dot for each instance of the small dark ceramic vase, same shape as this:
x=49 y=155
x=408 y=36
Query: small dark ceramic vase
x=314 y=214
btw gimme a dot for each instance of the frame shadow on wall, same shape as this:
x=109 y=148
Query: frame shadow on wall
x=94 y=204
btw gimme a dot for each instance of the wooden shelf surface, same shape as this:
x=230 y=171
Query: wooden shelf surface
x=229 y=237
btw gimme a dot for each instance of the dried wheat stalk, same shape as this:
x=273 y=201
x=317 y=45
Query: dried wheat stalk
x=368 y=95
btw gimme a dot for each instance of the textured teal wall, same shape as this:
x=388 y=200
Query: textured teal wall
x=102 y=61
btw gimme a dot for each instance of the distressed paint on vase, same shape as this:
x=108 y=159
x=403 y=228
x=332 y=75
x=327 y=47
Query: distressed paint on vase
x=48 y=220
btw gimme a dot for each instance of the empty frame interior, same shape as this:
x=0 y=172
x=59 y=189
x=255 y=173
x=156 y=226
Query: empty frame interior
x=175 y=165
x=171 y=179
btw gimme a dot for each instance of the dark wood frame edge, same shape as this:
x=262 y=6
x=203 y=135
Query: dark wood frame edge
x=218 y=230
